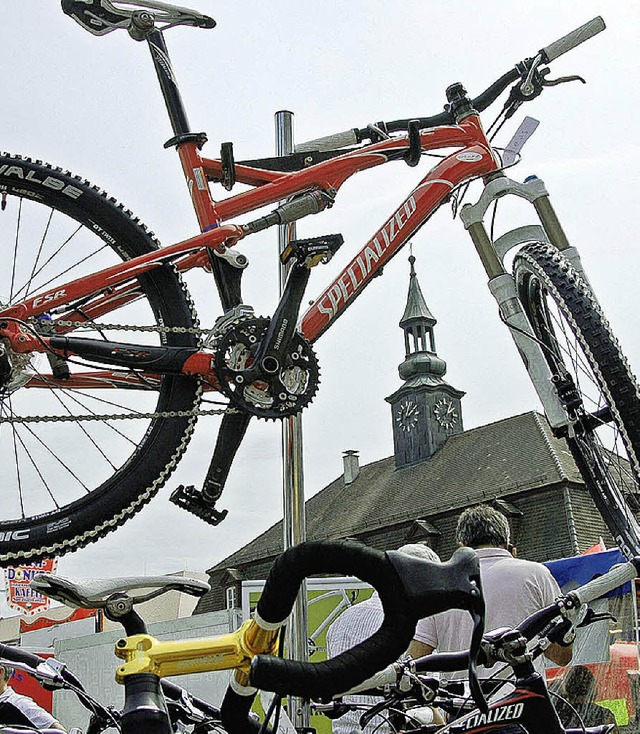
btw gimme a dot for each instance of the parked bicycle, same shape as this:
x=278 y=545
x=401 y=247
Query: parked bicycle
x=409 y=588
x=104 y=369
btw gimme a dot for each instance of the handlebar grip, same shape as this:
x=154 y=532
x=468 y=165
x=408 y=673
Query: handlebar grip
x=17 y=655
x=616 y=576
x=573 y=39
x=329 y=142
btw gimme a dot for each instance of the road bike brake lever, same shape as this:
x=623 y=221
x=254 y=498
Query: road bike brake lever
x=562 y=80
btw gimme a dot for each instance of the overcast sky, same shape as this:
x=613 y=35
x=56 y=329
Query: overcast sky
x=92 y=105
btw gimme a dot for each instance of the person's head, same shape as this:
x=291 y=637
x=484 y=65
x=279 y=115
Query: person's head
x=5 y=674
x=483 y=526
x=579 y=683
x=420 y=551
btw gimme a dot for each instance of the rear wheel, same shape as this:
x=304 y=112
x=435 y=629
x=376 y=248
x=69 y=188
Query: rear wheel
x=76 y=462
x=594 y=381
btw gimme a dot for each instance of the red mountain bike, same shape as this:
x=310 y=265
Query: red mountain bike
x=104 y=369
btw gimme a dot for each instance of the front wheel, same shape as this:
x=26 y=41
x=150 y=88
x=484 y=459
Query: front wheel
x=79 y=458
x=594 y=382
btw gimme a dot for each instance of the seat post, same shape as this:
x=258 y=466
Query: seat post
x=169 y=85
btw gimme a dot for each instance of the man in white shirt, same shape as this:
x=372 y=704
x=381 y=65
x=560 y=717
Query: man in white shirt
x=16 y=709
x=513 y=589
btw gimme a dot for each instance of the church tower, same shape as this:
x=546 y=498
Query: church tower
x=425 y=410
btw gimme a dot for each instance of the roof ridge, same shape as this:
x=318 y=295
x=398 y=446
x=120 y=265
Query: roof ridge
x=545 y=436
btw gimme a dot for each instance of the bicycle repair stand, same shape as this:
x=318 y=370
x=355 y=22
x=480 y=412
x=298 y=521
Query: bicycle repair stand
x=294 y=515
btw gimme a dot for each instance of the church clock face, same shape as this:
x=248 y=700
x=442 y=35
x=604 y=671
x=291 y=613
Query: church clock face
x=445 y=413
x=407 y=415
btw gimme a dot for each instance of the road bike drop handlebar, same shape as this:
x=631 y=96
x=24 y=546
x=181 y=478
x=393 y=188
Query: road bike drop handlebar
x=410 y=588
x=531 y=87
x=498 y=647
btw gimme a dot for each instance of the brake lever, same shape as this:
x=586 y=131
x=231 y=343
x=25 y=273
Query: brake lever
x=562 y=80
x=590 y=617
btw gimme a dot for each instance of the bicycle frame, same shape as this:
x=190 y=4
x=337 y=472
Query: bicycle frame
x=527 y=706
x=113 y=287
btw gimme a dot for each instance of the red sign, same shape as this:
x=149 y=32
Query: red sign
x=20 y=596
x=44 y=622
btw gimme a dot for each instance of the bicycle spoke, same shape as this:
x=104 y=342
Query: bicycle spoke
x=37 y=257
x=15 y=253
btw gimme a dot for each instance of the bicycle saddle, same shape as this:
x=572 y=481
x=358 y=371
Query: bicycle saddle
x=94 y=593
x=103 y=16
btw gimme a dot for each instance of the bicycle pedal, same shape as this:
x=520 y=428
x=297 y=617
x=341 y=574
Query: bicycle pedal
x=191 y=499
x=312 y=250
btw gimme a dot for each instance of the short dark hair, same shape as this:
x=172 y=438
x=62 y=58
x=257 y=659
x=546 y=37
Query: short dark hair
x=8 y=671
x=483 y=525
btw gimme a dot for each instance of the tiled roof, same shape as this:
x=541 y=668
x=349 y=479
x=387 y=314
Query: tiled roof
x=508 y=457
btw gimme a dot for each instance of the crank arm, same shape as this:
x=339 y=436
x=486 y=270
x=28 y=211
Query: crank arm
x=281 y=327
x=202 y=503
x=305 y=254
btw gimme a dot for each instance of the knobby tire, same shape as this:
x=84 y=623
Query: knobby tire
x=577 y=339
x=58 y=227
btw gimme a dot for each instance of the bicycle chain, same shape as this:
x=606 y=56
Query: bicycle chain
x=120 y=416
x=131 y=327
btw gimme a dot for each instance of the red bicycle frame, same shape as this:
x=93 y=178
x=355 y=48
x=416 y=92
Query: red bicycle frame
x=116 y=286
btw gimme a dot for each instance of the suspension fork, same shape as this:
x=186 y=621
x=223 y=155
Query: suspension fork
x=502 y=285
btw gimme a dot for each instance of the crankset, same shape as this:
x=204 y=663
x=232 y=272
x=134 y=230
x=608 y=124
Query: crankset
x=268 y=388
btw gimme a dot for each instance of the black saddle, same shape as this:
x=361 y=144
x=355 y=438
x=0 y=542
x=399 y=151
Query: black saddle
x=103 y=16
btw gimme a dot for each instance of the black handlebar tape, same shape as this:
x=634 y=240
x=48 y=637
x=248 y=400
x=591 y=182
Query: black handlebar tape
x=352 y=666
x=410 y=588
x=234 y=714
x=318 y=557
x=17 y=655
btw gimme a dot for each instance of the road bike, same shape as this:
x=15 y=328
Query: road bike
x=410 y=588
x=104 y=369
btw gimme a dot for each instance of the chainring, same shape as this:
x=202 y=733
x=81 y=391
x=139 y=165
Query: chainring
x=271 y=396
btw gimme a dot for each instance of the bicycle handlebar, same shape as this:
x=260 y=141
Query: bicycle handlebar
x=616 y=576
x=18 y=655
x=410 y=588
x=480 y=103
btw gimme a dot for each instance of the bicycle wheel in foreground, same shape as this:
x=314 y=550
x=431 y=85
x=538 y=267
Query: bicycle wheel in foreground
x=590 y=370
x=76 y=462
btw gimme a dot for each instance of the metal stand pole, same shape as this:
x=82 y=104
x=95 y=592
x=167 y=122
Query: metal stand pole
x=292 y=464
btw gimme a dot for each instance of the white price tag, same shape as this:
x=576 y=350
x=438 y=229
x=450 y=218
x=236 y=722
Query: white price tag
x=527 y=127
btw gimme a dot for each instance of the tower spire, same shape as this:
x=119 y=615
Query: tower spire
x=425 y=410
